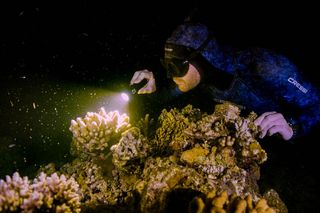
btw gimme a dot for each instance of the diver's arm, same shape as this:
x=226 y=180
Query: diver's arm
x=308 y=114
x=270 y=123
x=282 y=81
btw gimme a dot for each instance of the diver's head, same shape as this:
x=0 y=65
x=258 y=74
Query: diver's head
x=183 y=49
x=189 y=81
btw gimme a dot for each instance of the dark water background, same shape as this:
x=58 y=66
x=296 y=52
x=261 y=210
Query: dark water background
x=60 y=60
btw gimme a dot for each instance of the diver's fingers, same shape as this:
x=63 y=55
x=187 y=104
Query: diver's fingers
x=264 y=129
x=285 y=131
x=140 y=75
x=276 y=129
x=144 y=91
x=258 y=121
x=276 y=118
x=275 y=123
x=134 y=77
x=150 y=87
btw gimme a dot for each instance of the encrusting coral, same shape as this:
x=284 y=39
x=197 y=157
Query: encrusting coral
x=189 y=150
x=162 y=175
x=170 y=134
x=132 y=145
x=89 y=175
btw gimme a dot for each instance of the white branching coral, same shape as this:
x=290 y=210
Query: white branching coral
x=54 y=192
x=12 y=192
x=94 y=132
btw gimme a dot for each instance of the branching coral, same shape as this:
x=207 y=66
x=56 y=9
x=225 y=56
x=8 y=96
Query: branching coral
x=93 y=133
x=13 y=191
x=57 y=193
x=54 y=192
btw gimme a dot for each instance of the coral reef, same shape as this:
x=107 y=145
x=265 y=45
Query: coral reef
x=118 y=164
x=58 y=193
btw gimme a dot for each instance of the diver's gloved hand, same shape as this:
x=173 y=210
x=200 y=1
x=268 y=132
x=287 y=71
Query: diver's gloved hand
x=271 y=123
x=139 y=76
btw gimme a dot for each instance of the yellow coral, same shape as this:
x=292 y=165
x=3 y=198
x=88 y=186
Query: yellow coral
x=220 y=200
x=228 y=110
x=241 y=206
x=224 y=203
x=194 y=155
x=199 y=205
x=217 y=210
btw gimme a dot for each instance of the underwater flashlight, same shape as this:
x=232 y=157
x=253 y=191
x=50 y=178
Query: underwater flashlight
x=135 y=87
x=125 y=97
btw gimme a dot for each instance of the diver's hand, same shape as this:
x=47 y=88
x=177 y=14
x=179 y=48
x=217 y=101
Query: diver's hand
x=271 y=123
x=150 y=86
